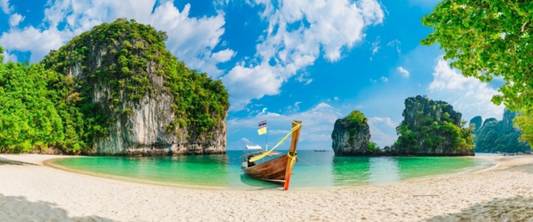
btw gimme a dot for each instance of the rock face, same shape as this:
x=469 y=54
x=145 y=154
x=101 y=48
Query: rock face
x=477 y=122
x=431 y=128
x=500 y=136
x=351 y=137
x=147 y=103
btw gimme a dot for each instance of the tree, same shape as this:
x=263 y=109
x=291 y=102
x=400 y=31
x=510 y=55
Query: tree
x=486 y=39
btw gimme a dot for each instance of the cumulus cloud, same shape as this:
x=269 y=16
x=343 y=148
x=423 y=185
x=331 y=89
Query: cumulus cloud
x=190 y=39
x=384 y=79
x=30 y=39
x=9 y=57
x=251 y=83
x=469 y=96
x=382 y=131
x=15 y=19
x=299 y=32
x=4 y=4
x=403 y=71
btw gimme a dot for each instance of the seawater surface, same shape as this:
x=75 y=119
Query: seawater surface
x=313 y=169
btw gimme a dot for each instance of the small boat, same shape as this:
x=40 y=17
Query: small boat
x=277 y=170
x=320 y=150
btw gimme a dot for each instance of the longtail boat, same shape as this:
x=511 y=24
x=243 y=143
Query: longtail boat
x=276 y=170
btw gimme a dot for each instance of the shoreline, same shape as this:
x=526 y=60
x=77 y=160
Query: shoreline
x=37 y=192
x=48 y=163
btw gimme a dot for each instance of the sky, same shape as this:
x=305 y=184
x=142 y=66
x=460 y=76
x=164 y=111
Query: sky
x=313 y=60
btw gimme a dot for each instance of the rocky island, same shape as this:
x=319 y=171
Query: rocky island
x=429 y=128
x=498 y=136
x=116 y=90
x=351 y=136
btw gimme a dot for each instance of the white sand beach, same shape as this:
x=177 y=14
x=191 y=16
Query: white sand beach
x=30 y=191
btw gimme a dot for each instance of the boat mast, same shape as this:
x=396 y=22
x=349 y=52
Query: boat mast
x=266 y=140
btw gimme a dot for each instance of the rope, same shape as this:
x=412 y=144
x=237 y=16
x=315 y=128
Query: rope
x=256 y=158
x=327 y=171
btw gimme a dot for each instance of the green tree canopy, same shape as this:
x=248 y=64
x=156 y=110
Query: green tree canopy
x=356 y=118
x=27 y=117
x=486 y=39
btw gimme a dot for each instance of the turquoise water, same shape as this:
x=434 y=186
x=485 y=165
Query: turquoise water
x=313 y=170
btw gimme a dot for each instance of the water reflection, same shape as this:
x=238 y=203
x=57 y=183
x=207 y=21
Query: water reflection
x=384 y=170
x=350 y=171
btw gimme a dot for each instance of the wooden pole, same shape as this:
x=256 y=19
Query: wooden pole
x=292 y=153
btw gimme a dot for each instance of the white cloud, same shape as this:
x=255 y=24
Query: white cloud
x=304 y=78
x=289 y=45
x=33 y=40
x=190 y=39
x=250 y=83
x=15 y=19
x=382 y=131
x=384 y=79
x=4 y=4
x=403 y=71
x=469 y=96
x=9 y=57
x=375 y=46
x=223 y=56
x=245 y=140
x=395 y=43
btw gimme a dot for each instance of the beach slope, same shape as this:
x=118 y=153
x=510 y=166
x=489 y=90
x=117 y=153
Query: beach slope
x=30 y=191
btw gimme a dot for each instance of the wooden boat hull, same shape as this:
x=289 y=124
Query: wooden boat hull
x=279 y=169
x=272 y=171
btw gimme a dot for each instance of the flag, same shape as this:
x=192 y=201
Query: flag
x=262 y=124
x=262 y=127
x=262 y=131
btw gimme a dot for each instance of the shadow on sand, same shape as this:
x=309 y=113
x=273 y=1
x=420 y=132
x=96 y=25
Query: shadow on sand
x=20 y=209
x=4 y=161
x=509 y=210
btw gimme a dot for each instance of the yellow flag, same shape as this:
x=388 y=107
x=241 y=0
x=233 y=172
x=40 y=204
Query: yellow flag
x=262 y=131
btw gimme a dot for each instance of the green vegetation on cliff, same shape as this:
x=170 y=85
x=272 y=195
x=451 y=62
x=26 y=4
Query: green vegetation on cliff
x=500 y=136
x=120 y=59
x=356 y=118
x=432 y=127
x=27 y=116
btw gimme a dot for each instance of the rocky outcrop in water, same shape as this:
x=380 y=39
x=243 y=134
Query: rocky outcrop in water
x=432 y=128
x=351 y=135
x=500 y=136
x=133 y=97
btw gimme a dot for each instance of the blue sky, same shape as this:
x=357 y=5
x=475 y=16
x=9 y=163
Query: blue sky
x=314 y=60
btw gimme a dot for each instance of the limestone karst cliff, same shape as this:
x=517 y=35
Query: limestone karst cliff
x=121 y=92
x=499 y=136
x=432 y=128
x=351 y=135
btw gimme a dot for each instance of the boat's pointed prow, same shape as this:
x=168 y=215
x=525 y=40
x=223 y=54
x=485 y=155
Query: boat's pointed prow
x=291 y=156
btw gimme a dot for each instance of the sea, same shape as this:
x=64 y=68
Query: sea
x=314 y=170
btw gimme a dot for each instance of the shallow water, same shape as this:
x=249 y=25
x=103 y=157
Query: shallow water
x=313 y=169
